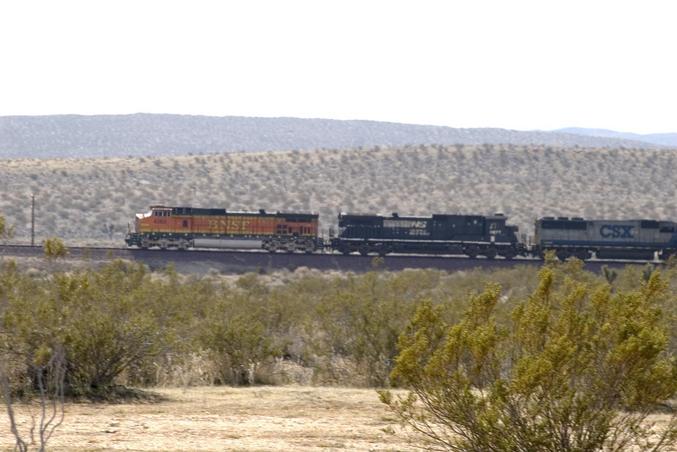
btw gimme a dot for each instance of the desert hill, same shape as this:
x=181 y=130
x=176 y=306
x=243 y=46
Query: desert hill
x=659 y=139
x=161 y=134
x=84 y=198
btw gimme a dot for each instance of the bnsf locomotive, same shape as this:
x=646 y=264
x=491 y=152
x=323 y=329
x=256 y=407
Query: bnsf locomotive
x=188 y=227
x=470 y=235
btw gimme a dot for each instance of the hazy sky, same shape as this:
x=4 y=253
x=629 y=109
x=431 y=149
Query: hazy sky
x=513 y=64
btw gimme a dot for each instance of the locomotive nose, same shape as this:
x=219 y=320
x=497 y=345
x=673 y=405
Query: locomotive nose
x=137 y=220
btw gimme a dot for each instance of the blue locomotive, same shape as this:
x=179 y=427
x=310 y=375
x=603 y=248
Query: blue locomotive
x=605 y=239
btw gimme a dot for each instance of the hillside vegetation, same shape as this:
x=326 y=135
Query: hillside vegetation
x=660 y=139
x=86 y=199
x=158 y=134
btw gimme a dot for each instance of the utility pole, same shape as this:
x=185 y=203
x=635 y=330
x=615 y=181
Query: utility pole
x=33 y=219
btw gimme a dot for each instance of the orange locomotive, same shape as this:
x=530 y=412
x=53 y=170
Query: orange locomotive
x=188 y=227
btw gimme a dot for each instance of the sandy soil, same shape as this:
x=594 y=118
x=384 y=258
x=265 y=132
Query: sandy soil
x=218 y=418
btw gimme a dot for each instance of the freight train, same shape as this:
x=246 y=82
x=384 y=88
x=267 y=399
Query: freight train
x=489 y=236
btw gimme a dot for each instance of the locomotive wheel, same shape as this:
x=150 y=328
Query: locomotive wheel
x=471 y=251
x=490 y=253
x=563 y=255
x=508 y=254
x=364 y=250
x=583 y=255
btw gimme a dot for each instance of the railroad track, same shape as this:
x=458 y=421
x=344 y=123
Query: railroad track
x=228 y=261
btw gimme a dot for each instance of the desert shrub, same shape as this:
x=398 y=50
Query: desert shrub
x=106 y=321
x=122 y=325
x=236 y=337
x=6 y=230
x=577 y=367
x=359 y=320
x=116 y=319
x=54 y=248
x=21 y=342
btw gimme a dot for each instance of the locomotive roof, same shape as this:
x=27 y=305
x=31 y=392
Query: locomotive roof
x=218 y=212
x=580 y=223
x=395 y=215
x=579 y=219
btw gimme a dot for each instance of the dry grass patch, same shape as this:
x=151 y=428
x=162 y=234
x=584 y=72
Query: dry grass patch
x=224 y=418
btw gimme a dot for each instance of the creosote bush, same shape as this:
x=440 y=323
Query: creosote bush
x=54 y=248
x=105 y=320
x=121 y=325
x=6 y=230
x=578 y=366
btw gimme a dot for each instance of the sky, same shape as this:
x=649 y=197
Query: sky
x=512 y=64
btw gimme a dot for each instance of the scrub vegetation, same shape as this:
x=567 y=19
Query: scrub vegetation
x=482 y=352
x=576 y=367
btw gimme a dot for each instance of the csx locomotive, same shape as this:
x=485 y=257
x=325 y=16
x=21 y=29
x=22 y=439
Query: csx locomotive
x=606 y=239
x=470 y=235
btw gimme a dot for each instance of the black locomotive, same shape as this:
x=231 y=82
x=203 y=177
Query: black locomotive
x=472 y=235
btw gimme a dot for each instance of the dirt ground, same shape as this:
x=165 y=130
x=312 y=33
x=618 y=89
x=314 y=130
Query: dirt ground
x=234 y=419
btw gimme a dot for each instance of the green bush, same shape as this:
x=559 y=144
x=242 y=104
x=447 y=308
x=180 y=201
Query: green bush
x=106 y=321
x=54 y=248
x=576 y=368
x=122 y=325
x=6 y=230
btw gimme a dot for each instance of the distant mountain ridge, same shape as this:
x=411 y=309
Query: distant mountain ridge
x=141 y=134
x=660 y=139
